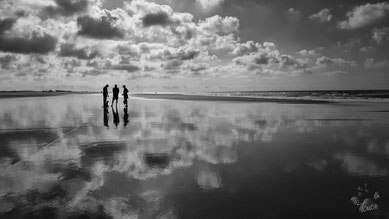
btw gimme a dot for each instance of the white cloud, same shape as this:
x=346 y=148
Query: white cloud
x=325 y=61
x=322 y=16
x=305 y=52
x=208 y=5
x=365 y=15
x=246 y=48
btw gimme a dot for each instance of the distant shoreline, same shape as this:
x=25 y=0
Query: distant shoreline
x=21 y=94
x=227 y=98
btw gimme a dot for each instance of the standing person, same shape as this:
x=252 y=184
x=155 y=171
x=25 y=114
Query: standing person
x=105 y=95
x=125 y=95
x=115 y=95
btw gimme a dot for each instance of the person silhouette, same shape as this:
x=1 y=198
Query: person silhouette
x=105 y=95
x=105 y=119
x=115 y=114
x=115 y=95
x=125 y=95
x=125 y=117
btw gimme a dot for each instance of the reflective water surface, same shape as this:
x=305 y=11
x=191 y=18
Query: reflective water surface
x=68 y=157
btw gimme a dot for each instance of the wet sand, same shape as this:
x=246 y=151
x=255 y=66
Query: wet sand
x=68 y=157
x=227 y=98
x=21 y=94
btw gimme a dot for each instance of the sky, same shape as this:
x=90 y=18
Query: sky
x=194 y=45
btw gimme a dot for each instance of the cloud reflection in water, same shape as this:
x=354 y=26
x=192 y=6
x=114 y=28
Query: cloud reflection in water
x=74 y=163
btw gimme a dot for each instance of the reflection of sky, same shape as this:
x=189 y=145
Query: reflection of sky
x=58 y=151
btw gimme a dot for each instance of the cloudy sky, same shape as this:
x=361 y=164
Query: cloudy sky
x=194 y=45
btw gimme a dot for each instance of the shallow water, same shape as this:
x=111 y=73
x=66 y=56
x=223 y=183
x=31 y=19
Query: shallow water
x=67 y=157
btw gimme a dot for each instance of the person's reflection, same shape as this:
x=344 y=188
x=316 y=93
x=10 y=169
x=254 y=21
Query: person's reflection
x=115 y=114
x=125 y=117
x=105 y=119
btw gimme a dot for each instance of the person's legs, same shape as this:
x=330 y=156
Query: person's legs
x=104 y=100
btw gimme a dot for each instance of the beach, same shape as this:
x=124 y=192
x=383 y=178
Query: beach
x=179 y=156
x=16 y=94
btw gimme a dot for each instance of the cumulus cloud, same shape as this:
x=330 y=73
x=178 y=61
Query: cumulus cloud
x=100 y=28
x=196 y=68
x=160 y=18
x=6 y=61
x=322 y=16
x=305 y=52
x=172 y=65
x=66 y=7
x=246 y=48
x=208 y=5
x=325 y=61
x=161 y=52
x=219 y=25
x=68 y=50
x=365 y=15
x=268 y=60
x=6 y=24
x=142 y=36
x=381 y=35
x=36 y=43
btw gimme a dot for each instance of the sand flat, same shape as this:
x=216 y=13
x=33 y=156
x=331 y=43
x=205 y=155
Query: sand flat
x=239 y=157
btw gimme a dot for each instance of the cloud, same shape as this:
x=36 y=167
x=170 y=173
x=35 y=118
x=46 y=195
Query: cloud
x=102 y=28
x=246 y=48
x=365 y=15
x=322 y=16
x=268 y=60
x=187 y=53
x=128 y=68
x=294 y=15
x=152 y=51
x=37 y=43
x=160 y=18
x=381 y=35
x=6 y=61
x=307 y=52
x=66 y=7
x=172 y=65
x=92 y=72
x=208 y=5
x=68 y=50
x=370 y=63
x=219 y=25
x=196 y=68
x=327 y=62
x=6 y=24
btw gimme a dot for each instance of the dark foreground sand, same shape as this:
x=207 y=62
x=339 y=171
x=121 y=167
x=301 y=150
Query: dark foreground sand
x=226 y=98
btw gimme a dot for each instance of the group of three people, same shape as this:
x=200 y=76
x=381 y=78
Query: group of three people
x=115 y=95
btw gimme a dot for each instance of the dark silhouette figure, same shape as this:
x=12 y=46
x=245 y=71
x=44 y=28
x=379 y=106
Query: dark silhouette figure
x=125 y=117
x=115 y=95
x=115 y=114
x=105 y=119
x=125 y=95
x=105 y=96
